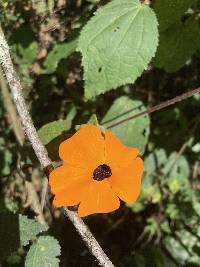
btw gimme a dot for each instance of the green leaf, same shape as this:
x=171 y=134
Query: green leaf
x=170 y=11
x=117 y=45
x=16 y=231
x=172 y=211
x=28 y=53
x=29 y=228
x=59 y=51
x=93 y=120
x=196 y=148
x=176 y=250
x=43 y=253
x=177 y=168
x=136 y=207
x=51 y=130
x=190 y=241
x=6 y=160
x=177 y=46
x=152 y=226
x=134 y=132
x=174 y=186
x=152 y=163
x=153 y=192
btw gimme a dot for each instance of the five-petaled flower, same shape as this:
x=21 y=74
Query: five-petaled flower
x=97 y=170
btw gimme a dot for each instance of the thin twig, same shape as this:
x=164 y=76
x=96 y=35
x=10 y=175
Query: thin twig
x=33 y=201
x=16 y=90
x=32 y=196
x=158 y=107
x=44 y=193
x=40 y=150
x=11 y=110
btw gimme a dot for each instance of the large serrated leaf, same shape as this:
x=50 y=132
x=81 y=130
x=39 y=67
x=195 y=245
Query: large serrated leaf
x=43 y=253
x=176 y=47
x=58 y=52
x=16 y=231
x=116 y=45
x=134 y=132
x=170 y=11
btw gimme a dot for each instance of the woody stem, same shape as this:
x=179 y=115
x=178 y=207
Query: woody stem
x=39 y=149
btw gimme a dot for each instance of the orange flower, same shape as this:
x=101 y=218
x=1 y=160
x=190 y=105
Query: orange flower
x=97 y=171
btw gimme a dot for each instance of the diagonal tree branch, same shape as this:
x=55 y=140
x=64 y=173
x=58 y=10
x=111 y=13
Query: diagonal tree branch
x=40 y=150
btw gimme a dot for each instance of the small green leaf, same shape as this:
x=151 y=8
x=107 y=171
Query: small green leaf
x=29 y=228
x=51 y=130
x=165 y=227
x=153 y=192
x=136 y=207
x=156 y=197
x=59 y=51
x=117 y=45
x=28 y=53
x=177 y=168
x=16 y=231
x=6 y=160
x=134 y=132
x=43 y=253
x=176 y=47
x=176 y=250
x=174 y=186
x=172 y=211
x=196 y=148
x=93 y=120
x=151 y=226
x=170 y=11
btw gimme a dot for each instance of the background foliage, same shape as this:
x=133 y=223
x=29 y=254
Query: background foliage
x=66 y=58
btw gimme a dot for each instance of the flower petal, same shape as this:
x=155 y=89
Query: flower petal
x=84 y=149
x=68 y=184
x=126 y=181
x=99 y=198
x=71 y=196
x=118 y=155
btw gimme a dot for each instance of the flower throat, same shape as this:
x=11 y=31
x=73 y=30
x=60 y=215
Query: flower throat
x=101 y=172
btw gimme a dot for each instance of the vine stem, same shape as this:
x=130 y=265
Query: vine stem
x=39 y=149
x=159 y=106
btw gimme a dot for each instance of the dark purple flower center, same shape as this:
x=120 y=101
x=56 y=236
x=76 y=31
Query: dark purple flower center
x=101 y=172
